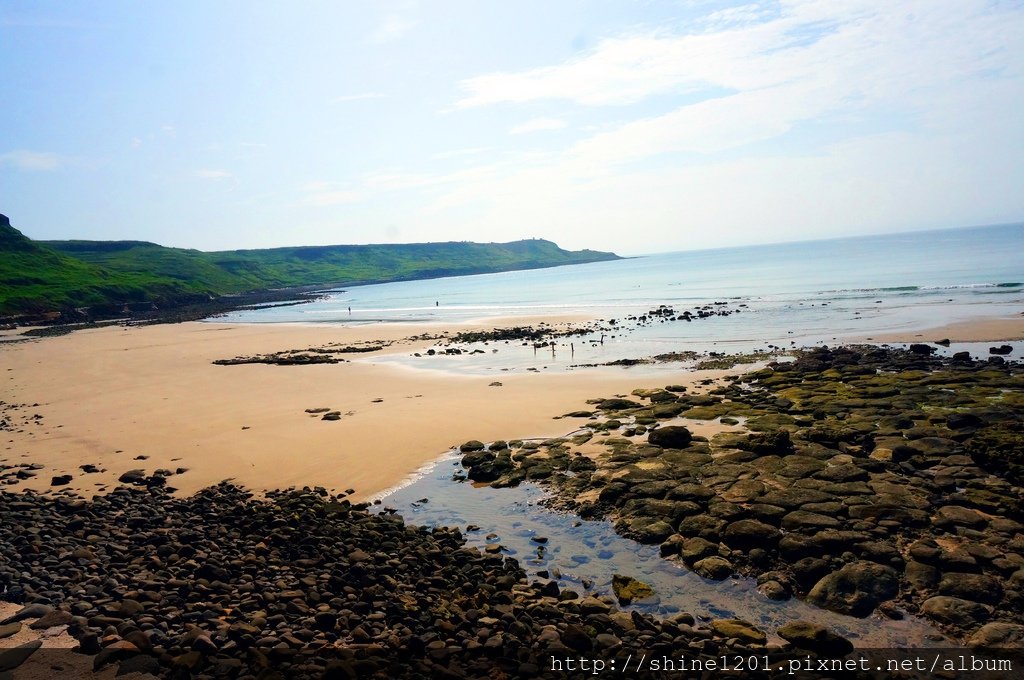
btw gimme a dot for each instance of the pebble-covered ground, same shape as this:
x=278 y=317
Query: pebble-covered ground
x=303 y=584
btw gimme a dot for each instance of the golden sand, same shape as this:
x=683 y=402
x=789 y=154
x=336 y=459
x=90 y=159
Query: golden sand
x=107 y=396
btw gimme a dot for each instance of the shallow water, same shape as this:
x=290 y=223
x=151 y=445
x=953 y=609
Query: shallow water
x=796 y=294
x=579 y=550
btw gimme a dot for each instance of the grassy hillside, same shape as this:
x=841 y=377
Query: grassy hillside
x=238 y=270
x=58 y=275
x=35 y=279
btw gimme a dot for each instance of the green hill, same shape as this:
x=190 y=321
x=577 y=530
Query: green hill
x=35 y=279
x=44 y=276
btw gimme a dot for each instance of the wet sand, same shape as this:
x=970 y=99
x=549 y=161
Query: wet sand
x=107 y=396
x=981 y=330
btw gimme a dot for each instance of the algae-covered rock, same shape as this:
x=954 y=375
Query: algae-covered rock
x=815 y=638
x=714 y=568
x=744 y=631
x=628 y=589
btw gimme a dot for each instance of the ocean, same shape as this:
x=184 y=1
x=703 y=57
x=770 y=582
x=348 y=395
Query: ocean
x=782 y=295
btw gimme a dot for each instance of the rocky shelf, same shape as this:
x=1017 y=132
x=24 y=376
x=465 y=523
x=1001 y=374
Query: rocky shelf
x=867 y=479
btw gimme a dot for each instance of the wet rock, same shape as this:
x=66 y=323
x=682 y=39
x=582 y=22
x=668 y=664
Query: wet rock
x=670 y=437
x=998 y=634
x=955 y=611
x=471 y=445
x=714 y=568
x=617 y=404
x=855 y=589
x=803 y=521
x=748 y=533
x=133 y=477
x=672 y=545
x=57 y=617
x=976 y=587
x=774 y=590
x=628 y=589
x=955 y=515
x=694 y=549
x=768 y=443
x=744 y=631
x=815 y=638
x=31 y=611
x=645 y=529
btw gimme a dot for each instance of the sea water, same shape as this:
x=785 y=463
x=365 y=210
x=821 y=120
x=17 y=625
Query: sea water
x=783 y=295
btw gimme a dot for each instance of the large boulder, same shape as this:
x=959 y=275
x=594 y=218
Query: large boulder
x=977 y=587
x=670 y=437
x=998 y=634
x=855 y=589
x=955 y=611
x=750 y=533
x=714 y=568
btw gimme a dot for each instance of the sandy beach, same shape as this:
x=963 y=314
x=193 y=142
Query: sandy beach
x=112 y=395
x=1002 y=329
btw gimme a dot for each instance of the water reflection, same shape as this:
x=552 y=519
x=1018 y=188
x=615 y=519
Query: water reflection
x=584 y=555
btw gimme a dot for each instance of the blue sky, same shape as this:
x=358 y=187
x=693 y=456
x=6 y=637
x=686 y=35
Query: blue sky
x=628 y=126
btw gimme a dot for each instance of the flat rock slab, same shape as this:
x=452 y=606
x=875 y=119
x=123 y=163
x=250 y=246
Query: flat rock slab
x=32 y=611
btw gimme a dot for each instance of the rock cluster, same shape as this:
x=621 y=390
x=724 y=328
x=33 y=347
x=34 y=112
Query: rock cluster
x=868 y=478
x=302 y=584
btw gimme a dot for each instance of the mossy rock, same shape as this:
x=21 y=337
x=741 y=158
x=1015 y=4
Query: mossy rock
x=708 y=412
x=617 y=404
x=667 y=410
x=628 y=589
x=999 y=449
x=744 y=631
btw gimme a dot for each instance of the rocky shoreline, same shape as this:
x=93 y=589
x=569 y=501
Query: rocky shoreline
x=867 y=479
x=303 y=584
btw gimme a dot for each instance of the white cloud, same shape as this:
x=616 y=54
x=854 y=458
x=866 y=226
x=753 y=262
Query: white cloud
x=213 y=174
x=757 y=82
x=537 y=125
x=913 y=106
x=136 y=143
x=34 y=161
x=805 y=39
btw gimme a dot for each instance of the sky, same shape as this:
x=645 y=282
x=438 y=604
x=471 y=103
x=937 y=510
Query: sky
x=620 y=125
